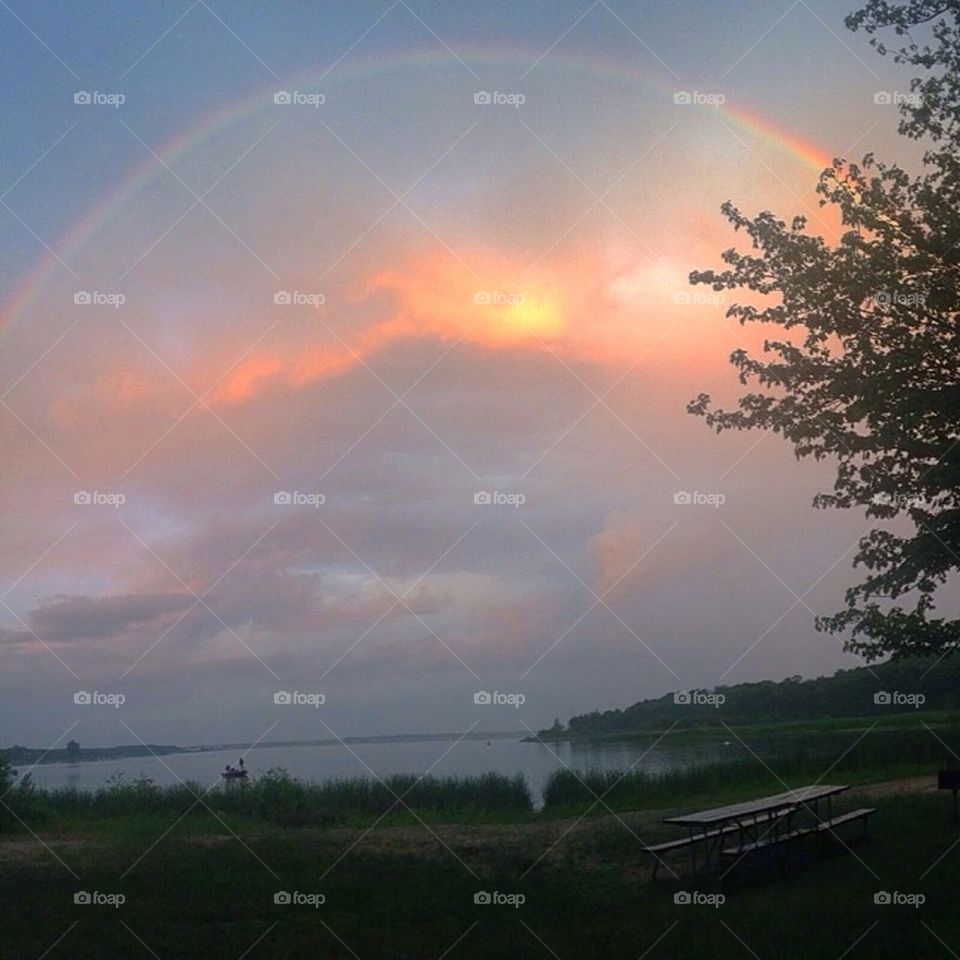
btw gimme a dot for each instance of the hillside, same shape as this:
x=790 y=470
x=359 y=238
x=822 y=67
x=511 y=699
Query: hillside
x=913 y=685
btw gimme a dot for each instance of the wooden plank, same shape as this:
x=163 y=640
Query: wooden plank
x=743 y=824
x=767 y=842
x=825 y=825
x=861 y=814
x=789 y=798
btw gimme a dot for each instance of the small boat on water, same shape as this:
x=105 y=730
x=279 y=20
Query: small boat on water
x=234 y=773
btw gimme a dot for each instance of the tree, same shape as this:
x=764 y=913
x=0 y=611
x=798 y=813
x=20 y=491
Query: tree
x=864 y=367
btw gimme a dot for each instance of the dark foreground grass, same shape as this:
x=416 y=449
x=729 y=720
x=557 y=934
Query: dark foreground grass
x=193 y=897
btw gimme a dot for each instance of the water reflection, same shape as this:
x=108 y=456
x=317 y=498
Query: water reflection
x=509 y=756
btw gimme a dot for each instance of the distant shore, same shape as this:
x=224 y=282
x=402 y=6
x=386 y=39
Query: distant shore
x=35 y=756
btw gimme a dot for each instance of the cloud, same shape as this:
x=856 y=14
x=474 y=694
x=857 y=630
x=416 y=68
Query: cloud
x=615 y=553
x=65 y=618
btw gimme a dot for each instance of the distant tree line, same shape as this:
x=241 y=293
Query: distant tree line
x=74 y=753
x=848 y=693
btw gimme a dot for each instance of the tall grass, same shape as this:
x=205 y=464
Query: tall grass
x=854 y=755
x=279 y=798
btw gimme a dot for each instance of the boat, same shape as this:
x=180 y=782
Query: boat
x=232 y=773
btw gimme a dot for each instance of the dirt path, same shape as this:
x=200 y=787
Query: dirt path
x=886 y=788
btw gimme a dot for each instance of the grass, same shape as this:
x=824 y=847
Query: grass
x=193 y=896
x=857 y=757
x=280 y=799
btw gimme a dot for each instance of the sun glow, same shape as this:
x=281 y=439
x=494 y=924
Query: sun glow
x=531 y=316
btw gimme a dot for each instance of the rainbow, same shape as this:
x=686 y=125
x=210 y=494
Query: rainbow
x=753 y=125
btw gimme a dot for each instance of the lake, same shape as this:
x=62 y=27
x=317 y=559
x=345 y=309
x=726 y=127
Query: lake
x=442 y=758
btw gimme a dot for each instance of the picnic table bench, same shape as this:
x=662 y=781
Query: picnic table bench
x=756 y=824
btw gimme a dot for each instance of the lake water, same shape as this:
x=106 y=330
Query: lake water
x=442 y=758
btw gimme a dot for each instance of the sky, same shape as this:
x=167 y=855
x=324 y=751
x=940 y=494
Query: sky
x=345 y=350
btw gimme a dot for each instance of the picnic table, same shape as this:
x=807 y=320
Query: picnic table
x=756 y=824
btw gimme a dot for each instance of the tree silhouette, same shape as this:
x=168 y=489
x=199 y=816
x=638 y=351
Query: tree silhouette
x=864 y=368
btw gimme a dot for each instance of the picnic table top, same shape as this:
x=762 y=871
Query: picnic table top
x=777 y=801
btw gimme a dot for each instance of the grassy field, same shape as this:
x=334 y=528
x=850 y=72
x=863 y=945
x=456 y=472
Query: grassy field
x=205 y=886
x=199 y=871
